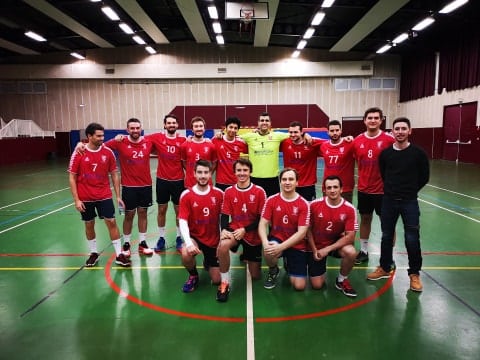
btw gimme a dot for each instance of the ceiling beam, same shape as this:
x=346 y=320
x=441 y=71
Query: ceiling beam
x=263 y=28
x=380 y=12
x=193 y=18
x=142 y=19
x=17 y=48
x=68 y=22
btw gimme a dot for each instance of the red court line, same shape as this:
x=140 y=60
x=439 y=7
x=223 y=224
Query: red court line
x=40 y=255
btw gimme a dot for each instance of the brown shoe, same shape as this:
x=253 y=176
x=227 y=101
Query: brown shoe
x=415 y=283
x=378 y=274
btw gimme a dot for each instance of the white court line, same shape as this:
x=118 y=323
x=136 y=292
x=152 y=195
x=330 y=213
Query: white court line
x=454 y=192
x=33 y=198
x=451 y=211
x=250 y=331
x=36 y=218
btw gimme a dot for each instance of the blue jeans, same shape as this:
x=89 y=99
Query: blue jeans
x=410 y=212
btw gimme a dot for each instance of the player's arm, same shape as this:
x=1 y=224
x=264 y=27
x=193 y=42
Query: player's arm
x=116 y=187
x=311 y=241
x=262 y=231
x=226 y=231
x=346 y=238
x=298 y=236
x=72 y=179
x=190 y=247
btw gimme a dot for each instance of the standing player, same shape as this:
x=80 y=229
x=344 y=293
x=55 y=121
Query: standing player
x=287 y=214
x=170 y=176
x=338 y=159
x=332 y=232
x=199 y=148
x=90 y=187
x=134 y=155
x=367 y=149
x=242 y=206
x=302 y=157
x=199 y=220
x=228 y=148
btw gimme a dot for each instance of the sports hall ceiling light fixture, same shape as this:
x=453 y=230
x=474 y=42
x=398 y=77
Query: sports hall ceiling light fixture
x=424 y=23
x=309 y=33
x=150 y=50
x=301 y=44
x=296 y=54
x=35 y=36
x=78 y=56
x=217 y=28
x=400 y=38
x=383 y=49
x=318 y=18
x=212 y=11
x=327 y=3
x=138 y=40
x=220 y=40
x=452 y=6
x=126 y=29
x=112 y=15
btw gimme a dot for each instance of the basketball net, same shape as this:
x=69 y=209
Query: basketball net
x=246 y=21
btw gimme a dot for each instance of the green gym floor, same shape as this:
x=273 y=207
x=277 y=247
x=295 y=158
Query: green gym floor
x=52 y=307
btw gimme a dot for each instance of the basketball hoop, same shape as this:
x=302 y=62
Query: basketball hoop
x=246 y=18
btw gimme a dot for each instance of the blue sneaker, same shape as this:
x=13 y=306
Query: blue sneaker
x=191 y=284
x=178 y=243
x=160 y=245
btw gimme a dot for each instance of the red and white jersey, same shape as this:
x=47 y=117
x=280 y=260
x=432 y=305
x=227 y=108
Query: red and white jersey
x=339 y=160
x=169 y=158
x=244 y=207
x=92 y=170
x=191 y=152
x=134 y=161
x=227 y=152
x=285 y=216
x=302 y=158
x=202 y=212
x=367 y=151
x=328 y=222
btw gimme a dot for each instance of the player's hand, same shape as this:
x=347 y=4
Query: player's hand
x=320 y=254
x=80 y=148
x=348 y=138
x=218 y=135
x=239 y=234
x=226 y=235
x=308 y=138
x=192 y=250
x=273 y=249
x=79 y=205
x=119 y=137
x=121 y=204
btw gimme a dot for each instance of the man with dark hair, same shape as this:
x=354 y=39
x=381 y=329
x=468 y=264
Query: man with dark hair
x=405 y=171
x=90 y=187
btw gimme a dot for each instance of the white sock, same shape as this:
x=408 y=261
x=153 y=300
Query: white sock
x=142 y=237
x=117 y=245
x=126 y=238
x=161 y=231
x=340 y=277
x=92 y=246
x=225 y=277
x=364 y=245
x=178 y=232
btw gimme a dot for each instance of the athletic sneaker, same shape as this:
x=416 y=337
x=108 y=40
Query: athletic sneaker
x=271 y=280
x=415 y=283
x=143 y=249
x=160 y=245
x=223 y=291
x=126 y=249
x=92 y=260
x=345 y=287
x=361 y=257
x=378 y=274
x=178 y=243
x=191 y=284
x=122 y=260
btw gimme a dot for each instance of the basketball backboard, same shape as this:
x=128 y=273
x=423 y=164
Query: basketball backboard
x=246 y=10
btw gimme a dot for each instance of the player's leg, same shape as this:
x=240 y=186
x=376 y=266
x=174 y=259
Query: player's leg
x=342 y=283
x=297 y=268
x=106 y=211
x=317 y=271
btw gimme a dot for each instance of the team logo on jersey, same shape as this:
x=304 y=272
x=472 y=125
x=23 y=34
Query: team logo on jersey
x=104 y=158
x=145 y=146
x=190 y=150
x=295 y=210
x=235 y=200
x=278 y=208
x=252 y=198
x=222 y=147
x=327 y=152
x=235 y=148
x=87 y=159
x=362 y=146
x=205 y=149
x=342 y=150
x=320 y=214
x=214 y=200
x=195 y=204
x=379 y=144
x=129 y=146
x=343 y=217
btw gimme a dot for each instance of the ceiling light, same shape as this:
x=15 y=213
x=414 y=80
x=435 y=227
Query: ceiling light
x=400 y=38
x=112 y=15
x=309 y=33
x=301 y=44
x=295 y=54
x=317 y=19
x=95 y=0
x=35 y=36
x=220 y=40
x=423 y=24
x=212 y=11
x=452 y=6
x=217 y=28
x=126 y=29
x=77 y=55
x=138 y=40
x=327 y=3
x=150 y=50
x=384 y=48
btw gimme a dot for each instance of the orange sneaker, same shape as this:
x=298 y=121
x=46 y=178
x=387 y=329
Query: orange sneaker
x=378 y=274
x=415 y=283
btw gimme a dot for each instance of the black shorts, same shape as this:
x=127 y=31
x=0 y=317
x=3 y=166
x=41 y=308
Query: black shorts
x=169 y=190
x=318 y=268
x=104 y=208
x=301 y=263
x=367 y=203
x=210 y=258
x=307 y=192
x=250 y=252
x=270 y=185
x=137 y=197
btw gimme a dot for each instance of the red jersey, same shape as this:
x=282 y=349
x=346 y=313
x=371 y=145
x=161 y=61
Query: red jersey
x=244 y=207
x=191 y=152
x=169 y=159
x=285 y=216
x=302 y=158
x=227 y=152
x=367 y=150
x=134 y=161
x=92 y=170
x=328 y=222
x=202 y=212
x=340 y=161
